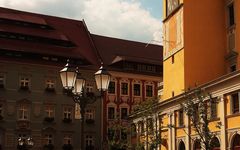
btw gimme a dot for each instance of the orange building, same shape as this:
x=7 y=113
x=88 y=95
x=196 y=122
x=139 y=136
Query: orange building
x=201 y=49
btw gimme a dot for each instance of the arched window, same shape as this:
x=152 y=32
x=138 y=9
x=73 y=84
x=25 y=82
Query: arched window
x=197 y=145
x=181 y=146
x=215 y=144
x=236 y=142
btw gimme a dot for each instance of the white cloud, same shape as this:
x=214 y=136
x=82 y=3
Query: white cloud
x=116 y=18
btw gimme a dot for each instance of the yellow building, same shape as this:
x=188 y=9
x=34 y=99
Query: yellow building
x=201 y=46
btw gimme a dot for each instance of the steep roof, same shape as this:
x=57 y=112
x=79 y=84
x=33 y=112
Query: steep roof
x=113 y=50
x=36 y=33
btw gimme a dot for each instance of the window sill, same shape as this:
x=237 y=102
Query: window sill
x=214 y=119
x=233 y=115
x=181 y=126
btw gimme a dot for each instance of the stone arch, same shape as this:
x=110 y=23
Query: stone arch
x=181 y=145
x=197 y=144
x=215 y=143
x=235 y=142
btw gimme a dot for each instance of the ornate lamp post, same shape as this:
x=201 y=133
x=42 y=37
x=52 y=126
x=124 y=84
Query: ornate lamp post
x=25 y=143
x=74 y=83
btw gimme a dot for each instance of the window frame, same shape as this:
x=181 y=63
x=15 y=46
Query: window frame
x=140 y=90
x=110 y=88
x=89 y=139
x=66 y=110
x=48 y=111
x=67 y=138
x=232 y=103
x=23 y=110
x=125 y=118
x=181 y=118
x=108 y=113
x=230 y=23
x=22 y=80
x=146 y=90
x=125 y=89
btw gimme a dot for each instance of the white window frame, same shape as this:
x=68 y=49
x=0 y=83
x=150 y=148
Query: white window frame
x=89 y=140
x=108 y=112
x=115 y=88
x=90 y=114
x=50 y=83
x=50 y=111
x=68 y=110
x=146 y=90
x=127 y=88
x=22 y=112
x=89 y=87
x=140 y=89
x=24 y=81
x=48 y=138
x=67 y=139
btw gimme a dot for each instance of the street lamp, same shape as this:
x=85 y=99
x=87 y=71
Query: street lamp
x=25 y=144
x=74 y=83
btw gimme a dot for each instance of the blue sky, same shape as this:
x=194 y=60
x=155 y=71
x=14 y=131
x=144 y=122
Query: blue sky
x=154 y=6
x=137 y=20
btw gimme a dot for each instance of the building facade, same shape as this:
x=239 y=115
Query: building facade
x=201 y=47
x=34 y=48
x=135 y=78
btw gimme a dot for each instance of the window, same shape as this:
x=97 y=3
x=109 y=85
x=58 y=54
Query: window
x=111 y=112
x=231 y=14
x=50 y=84
x=23 y=112
x=213 y=109
x=111 y=87
x=149 y=90
x=180 y=118
x=89 y=114
x=171 y=5
x=49 y=111
x=89 y=140
x=123 y=134
x=111 y=133
x=124 y=113
x=24 y=83
x=48 y=139
x=235 y=103
x=67 y=113
x=67 y=139
x=124 y=88
x=2 y=81
x=141 y=127
x=89 y=87
x=233 y=68
x=136 y=89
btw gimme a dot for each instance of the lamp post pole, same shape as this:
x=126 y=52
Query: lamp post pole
x=74 y=83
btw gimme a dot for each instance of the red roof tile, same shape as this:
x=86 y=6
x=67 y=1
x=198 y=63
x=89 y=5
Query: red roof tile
x=64 y=29
x=113 y=50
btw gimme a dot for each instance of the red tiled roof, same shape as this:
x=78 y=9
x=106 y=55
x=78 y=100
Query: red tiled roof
x=113 y=50
x=63 y=29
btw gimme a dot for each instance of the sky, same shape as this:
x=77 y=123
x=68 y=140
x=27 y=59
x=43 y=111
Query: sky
x=136 y=20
